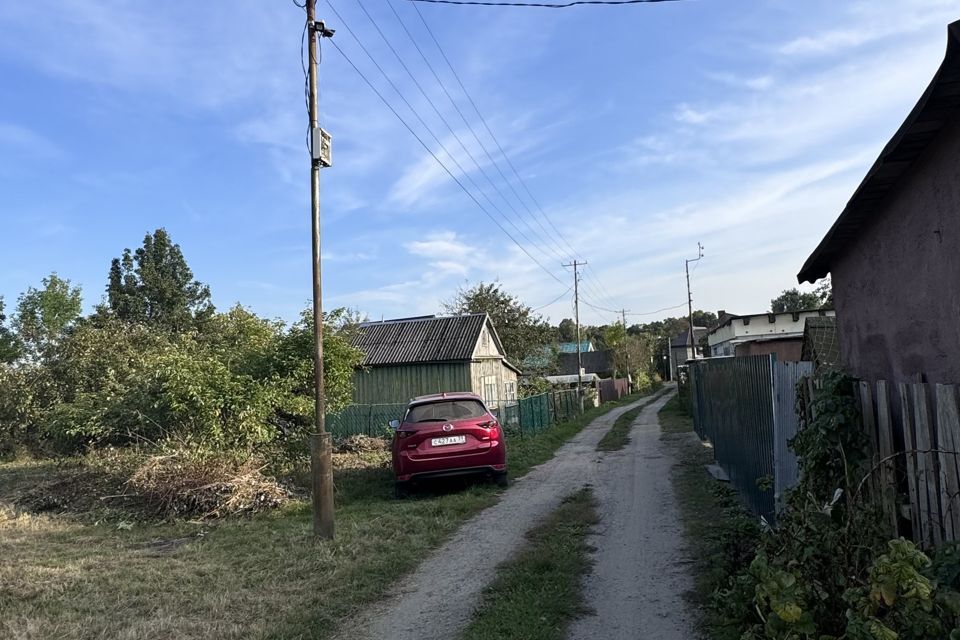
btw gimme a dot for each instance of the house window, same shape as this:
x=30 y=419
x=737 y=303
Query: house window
x=485 y=340
x=746 y=321
x=490 y=390
x=771 y=318
x=510 y=390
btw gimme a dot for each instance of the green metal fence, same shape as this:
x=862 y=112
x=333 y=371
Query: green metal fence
x=524 y=416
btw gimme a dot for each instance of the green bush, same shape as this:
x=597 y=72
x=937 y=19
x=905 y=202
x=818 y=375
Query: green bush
x=238 y=382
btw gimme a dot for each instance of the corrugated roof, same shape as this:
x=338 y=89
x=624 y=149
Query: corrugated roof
x=571 y=347
x=936 y=107
x=426 y=339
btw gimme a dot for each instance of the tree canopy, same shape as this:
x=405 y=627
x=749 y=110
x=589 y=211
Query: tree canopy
x=154 y=285
x=9 y=345
x=44 y=314
x=522 y=332
x=796 y=300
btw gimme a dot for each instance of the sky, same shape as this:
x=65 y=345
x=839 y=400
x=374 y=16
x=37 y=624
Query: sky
x=617 y=135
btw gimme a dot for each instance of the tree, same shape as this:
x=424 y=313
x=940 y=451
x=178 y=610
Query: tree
x=794 y=300
x=522 y=332
x=154 y=285
x=9 y=345
x=567 y=330
x=44 y=314
x=824 y=291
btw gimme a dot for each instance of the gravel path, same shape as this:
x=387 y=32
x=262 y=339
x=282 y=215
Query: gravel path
x=437 y=600
x=636 y=586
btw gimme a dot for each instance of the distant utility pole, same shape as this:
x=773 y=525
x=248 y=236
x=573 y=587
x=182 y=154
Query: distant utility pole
x=693 y=342
x=321 y=461
x=576 y=307
x=626 y=347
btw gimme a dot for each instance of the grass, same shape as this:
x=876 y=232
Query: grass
x=719 y=531
x=259 y=577
x=619 y=434
x=537 y=594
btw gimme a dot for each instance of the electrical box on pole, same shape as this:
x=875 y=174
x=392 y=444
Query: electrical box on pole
x=321 y=146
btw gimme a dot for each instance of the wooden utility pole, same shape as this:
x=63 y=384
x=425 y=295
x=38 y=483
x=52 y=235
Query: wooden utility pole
x=321 y=449
x=576 y=308
x=693 y=342
x=626 y=347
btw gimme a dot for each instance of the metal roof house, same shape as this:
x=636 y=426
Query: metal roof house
x=411 y=357
x=894 y=251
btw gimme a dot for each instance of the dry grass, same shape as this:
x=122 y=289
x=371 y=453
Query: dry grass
x=178 y=486
x=110 y=574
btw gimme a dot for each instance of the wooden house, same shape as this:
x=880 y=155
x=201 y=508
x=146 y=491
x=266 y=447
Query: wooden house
x=412 y=357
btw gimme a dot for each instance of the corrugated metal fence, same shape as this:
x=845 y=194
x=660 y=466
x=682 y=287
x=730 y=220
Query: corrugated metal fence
x=744 y=407
x=523 y=416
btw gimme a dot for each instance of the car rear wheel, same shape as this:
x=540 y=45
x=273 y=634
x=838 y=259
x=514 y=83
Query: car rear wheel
x=401 y=490
x=501 y=479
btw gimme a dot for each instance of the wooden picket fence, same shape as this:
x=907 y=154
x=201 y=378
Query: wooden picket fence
x=915 y=436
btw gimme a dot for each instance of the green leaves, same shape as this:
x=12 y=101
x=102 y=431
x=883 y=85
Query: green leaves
x=154 y=285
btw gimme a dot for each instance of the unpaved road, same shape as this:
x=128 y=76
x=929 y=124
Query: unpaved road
x=642 y=571
x=437 y=600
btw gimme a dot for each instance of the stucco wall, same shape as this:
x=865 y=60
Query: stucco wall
x=897 y=287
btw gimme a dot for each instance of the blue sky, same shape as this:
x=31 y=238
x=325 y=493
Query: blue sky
x=640 y=130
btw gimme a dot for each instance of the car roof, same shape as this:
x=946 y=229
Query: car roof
x=450 y=395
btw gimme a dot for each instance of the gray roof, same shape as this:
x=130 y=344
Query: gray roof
x=936 y=107
x=420 y=340
x=682 y=339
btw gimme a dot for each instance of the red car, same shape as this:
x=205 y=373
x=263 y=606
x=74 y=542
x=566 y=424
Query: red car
x=447 y=434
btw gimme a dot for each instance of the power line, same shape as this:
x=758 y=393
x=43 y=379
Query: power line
x=476 y=137
x=465 y=174
x=597 y=289
x=557 y=299
x=650 y=313
x=455 y=135
x=445 y=168
x=538 y=4
x=493 y=137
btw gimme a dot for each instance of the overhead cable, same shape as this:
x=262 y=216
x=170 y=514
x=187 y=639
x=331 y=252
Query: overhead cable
x=539 y=4
x=437 y=159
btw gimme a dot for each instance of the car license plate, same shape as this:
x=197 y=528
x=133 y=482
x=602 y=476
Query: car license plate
x=440 y=442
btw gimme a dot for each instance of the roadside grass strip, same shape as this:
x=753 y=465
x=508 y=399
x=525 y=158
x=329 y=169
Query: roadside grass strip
x=619 y=434
x=263 y=576
x=719 y=532
x=537 y=594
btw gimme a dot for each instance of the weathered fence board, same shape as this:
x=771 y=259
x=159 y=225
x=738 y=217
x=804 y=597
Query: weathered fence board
x=948 y=422
x=926 y=461
x=885 y=442
x=917 y=515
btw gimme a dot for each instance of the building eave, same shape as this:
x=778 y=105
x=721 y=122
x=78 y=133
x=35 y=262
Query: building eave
x=935 y=109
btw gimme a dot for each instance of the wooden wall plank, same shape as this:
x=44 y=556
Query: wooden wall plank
x=885 y=440
x=927 y=462
x=948 y=439
x=917 y=511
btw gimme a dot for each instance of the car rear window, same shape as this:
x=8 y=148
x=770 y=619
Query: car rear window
x=446 y=410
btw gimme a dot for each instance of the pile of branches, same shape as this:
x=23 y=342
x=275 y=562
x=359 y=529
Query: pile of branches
x=182 y=486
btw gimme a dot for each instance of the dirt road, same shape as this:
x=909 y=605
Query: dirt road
x=435 y=602
x=641 y=573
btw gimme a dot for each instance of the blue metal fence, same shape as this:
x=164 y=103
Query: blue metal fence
x=744 y=407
